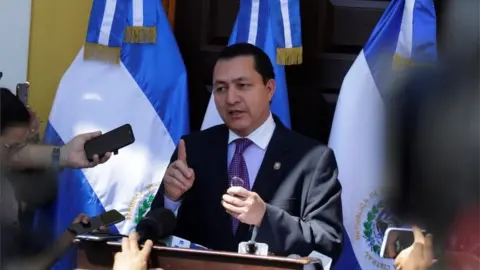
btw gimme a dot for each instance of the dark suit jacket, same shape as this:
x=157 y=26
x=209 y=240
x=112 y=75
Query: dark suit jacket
x=304 y=210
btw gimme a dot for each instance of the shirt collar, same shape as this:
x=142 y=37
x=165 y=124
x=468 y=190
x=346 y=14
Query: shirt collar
x=260 y=136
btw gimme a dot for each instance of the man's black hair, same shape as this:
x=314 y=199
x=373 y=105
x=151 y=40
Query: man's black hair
x=13 y=111
x=262 y=63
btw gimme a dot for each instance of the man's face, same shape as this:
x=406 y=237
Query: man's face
x=241 y=97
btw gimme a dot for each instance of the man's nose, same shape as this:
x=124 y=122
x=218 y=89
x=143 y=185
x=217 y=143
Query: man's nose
x=232 y=96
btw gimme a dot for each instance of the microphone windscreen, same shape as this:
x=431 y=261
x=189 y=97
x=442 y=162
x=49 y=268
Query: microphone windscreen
x=157 y=224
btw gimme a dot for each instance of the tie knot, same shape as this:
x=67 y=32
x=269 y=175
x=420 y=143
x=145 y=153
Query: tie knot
x=241 y=145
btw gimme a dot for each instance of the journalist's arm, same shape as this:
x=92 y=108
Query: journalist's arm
x=72 y=154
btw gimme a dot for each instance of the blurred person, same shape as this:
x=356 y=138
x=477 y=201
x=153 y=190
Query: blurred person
x=252 y=173
x=17 y=251
x=437 y=155
x=14 y=153
x=33 y=188
x=132 y=257
x=435 y=138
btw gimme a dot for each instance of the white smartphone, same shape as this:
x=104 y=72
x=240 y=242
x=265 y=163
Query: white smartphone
x=395 y=240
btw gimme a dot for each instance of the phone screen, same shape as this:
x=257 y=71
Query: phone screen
x=22 y=92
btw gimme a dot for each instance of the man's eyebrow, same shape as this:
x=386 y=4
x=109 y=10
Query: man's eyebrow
x=239 y=79
x=236 y=80
x=217 y=82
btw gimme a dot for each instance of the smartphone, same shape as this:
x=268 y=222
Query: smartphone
x=106 y=219
x=395 y=240
x=22 y=92
x=101 y=237
x=111 y=141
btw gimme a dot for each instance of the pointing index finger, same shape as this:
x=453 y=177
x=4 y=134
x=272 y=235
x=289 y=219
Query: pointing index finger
x=182 y=151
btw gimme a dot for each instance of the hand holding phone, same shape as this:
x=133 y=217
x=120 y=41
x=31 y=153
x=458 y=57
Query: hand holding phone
x=395 y=241
x=104 y=220
x=419 y=255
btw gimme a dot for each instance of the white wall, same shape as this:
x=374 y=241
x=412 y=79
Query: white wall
x=14 y=41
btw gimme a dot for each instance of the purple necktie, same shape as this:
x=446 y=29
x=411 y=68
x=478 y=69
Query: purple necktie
x=238 y=170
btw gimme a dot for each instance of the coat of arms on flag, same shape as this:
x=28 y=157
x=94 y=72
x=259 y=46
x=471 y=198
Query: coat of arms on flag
x=371 y=222
x=141 y=203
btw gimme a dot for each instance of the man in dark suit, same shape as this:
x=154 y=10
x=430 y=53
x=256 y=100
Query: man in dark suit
x=253 y=171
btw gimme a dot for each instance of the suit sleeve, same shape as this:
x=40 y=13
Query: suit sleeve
x=319 y=227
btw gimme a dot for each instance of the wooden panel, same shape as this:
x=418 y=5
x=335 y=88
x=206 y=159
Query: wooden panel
x=169 y=6
x=97 y=255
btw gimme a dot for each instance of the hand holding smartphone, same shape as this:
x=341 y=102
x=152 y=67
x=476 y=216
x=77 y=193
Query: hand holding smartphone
x=395 y=240
x=106 y=219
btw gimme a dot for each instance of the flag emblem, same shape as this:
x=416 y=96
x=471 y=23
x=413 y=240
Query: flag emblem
x=372 y=220
x=141 y=203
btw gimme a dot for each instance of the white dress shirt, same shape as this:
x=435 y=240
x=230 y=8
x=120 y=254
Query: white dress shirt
x=253 y=155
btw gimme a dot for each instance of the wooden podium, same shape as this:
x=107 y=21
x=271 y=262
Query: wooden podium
x=98 y=255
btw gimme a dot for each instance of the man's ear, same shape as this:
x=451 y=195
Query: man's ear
x=270 y=85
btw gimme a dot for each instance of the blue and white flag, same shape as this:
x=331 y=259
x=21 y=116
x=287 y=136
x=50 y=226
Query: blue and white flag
x=274 y=26
x=146 y=88
x=406 y=34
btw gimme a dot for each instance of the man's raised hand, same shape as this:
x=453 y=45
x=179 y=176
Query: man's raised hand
x=179 y=177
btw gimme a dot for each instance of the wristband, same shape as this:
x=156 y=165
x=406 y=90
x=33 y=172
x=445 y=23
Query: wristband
x=56 y=158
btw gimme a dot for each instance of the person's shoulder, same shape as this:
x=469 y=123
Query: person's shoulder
x=306 y=145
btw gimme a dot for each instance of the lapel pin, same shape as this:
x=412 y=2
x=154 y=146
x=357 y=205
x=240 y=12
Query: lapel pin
x=277 y=165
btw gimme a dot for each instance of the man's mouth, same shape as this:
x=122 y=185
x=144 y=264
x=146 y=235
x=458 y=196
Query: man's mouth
x=235 y=113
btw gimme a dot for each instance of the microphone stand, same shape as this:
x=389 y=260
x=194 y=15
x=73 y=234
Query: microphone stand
x=252 y=245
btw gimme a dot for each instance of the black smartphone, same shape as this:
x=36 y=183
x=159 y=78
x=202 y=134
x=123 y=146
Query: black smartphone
x=22 y=92
x=106 y=219
x=101 y=237
x=111 y=141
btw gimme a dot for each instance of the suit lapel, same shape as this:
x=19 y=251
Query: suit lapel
x=218 y=148
x=271 y=171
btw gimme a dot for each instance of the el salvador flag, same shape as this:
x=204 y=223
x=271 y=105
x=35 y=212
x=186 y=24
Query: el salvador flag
x=406 y=34
x=129 y=71
x=274 y=26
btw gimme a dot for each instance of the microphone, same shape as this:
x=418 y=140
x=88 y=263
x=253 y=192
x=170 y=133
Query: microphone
x=156 y=225
x=252 y=247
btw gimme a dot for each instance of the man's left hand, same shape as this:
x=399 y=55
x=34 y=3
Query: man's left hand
x=73 y=153
x=244 y=205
